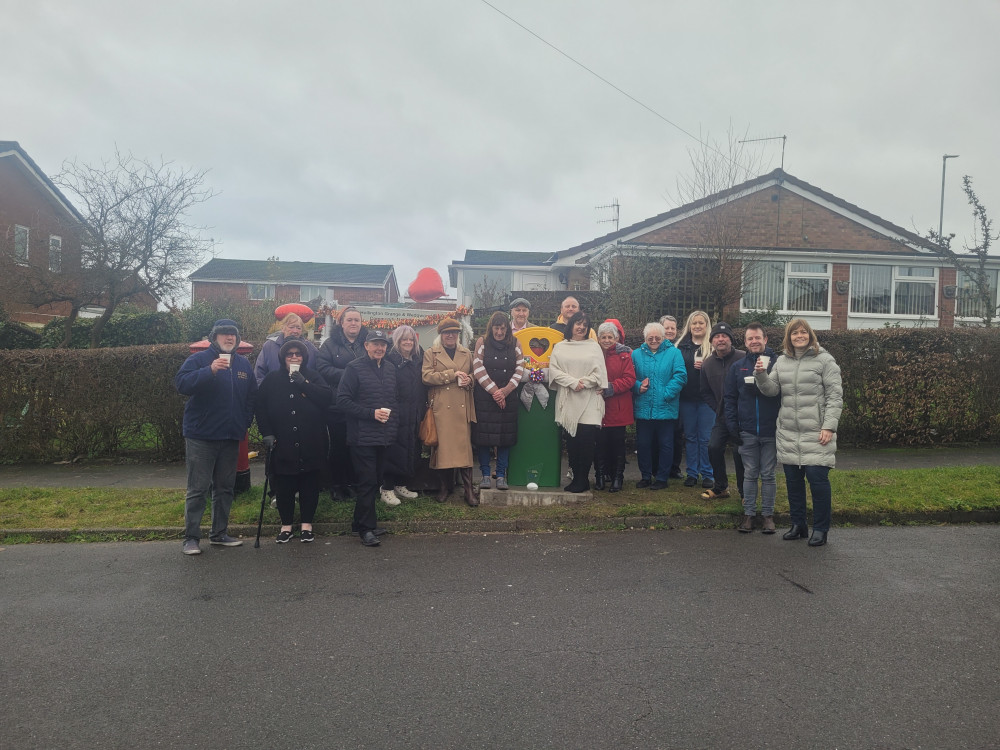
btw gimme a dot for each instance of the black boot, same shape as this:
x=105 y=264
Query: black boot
x=599 y=475
x=798 y=531
x=470 y=496
x=618 y=477
x=447 y=478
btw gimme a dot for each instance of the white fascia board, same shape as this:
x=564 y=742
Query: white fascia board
x=368 y=285
x=56 y=196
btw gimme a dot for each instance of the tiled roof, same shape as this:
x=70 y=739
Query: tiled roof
x=292 y=272
x=14 y=146
x=503 y=257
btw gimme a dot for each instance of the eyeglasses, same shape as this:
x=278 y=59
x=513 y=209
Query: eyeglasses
x=296 y=355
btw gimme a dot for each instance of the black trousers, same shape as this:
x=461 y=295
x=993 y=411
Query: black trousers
x=717 y=443
x=286 y=485
x=611 y=450
x=342 y=471
x=580 y=450
x=369 y=464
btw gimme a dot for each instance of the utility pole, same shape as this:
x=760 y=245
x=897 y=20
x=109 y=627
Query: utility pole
x=944 y=165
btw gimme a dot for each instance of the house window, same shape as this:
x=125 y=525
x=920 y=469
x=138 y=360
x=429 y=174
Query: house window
x=312 y=294
x=260 y=291
x=969 y=305
x=55 y=253
x=893 y=290
x=489 y=288
x=794 y=287
x=20 y=243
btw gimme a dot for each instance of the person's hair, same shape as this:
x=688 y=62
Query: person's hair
x=606 y=327
x=349 y=308
x=653 y=328
x=755 y=326
x=289 y=319
x=404 y=332
x=496 y=319
x=574 y=319
x=570 y=296
x=793 y=325
x=666 y=318
x=706 y=344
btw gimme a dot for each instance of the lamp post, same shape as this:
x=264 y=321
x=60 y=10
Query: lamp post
x=944 y=165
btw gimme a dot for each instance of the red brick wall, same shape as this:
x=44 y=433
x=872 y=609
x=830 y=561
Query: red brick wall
x=946 y=307
x=773 y=218
x=840 y=304
x=217 y=291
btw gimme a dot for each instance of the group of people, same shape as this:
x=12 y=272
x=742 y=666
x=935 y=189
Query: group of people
x=352 y=410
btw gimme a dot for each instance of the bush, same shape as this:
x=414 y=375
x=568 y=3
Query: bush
x=18 y=336
x=255 y=319
x=127 y=328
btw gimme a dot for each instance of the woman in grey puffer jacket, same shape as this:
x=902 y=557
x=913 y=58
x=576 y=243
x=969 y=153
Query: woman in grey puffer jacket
x=808 y=379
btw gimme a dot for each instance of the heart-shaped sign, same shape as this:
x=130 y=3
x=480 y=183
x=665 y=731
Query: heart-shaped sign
x=538 y=346
x=427 y=287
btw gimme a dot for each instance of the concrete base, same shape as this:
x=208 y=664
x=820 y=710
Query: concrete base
x=521 y=496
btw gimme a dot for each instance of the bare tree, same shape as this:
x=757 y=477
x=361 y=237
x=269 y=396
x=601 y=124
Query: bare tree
x=138 y=238
x=981 y=302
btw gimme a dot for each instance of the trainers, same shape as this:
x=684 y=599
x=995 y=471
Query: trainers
x=708 y=483
x=486 y=483
x=404 y=492
x=284 y=537
x=746 y=525
x=307 y=535
x=691 y=481
x=501 y=483
x=389 y=497
x=713 y=495
x=192 y=547
x=226 y=541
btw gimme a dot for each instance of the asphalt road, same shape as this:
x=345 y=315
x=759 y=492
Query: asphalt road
x=886 y=638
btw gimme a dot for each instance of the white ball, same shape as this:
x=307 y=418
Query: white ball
x=532 y=486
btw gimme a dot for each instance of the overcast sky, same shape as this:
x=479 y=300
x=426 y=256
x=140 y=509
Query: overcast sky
x=405 y=131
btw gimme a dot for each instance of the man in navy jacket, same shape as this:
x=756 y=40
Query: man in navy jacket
x=751 y=418
x=221 y=387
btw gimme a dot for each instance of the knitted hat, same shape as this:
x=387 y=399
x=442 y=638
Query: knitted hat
x=722 y=327
x=449 y=324
x=224 y=326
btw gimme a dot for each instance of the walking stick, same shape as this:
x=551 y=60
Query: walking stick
x=267 y=476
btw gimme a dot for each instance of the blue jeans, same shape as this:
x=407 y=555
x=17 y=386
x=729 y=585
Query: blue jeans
x=210 y=464
x=697 y=418
x=655 y=435
x=819 y=487
x=503 y=459
x=760 y=459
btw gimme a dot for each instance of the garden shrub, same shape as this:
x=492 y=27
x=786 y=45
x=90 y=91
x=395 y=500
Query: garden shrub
x=15 y=335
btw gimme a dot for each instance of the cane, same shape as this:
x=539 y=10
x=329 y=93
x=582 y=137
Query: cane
x=267 y=476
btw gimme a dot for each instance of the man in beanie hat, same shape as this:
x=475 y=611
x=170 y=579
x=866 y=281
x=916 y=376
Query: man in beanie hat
x=221 y=389
x=713 y=375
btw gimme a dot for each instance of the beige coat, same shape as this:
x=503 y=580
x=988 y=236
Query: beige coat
x=454 y=409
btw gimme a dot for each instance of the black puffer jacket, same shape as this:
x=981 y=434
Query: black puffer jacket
x=692 y=388
x=295 y=413
x=334 y=356
x=493 y=425
x=401 y=458
x=365 y=387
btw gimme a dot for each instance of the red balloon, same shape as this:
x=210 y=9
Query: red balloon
x=427 y=287
x=303 y=311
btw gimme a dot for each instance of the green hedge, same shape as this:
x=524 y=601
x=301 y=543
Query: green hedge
x=18 y=336
x=901 y=387
x=123 y=329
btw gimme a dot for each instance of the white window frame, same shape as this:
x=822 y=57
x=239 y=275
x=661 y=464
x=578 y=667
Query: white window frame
x=789 y=274
x=27 y=245
x=269 y=291
x=963 y=275
x=55 y=241
x=896 y=278
x=326 y=295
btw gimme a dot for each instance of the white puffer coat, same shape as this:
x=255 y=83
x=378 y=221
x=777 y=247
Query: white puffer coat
x=811 y=400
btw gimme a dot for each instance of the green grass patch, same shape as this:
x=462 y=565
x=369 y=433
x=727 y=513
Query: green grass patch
x=884 y=492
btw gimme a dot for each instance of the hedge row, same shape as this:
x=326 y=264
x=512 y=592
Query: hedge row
x=901 y=387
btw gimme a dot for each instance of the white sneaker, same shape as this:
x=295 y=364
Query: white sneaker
x=389 y=497
x=405 y=493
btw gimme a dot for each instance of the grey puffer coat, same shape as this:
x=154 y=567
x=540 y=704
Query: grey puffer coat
x=811 y=400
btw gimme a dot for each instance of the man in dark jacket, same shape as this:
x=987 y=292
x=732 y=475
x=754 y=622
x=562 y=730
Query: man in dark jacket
x=345 y=344
x=218 y=413
x=713 y=375
x=751 y=418
x=367 y=397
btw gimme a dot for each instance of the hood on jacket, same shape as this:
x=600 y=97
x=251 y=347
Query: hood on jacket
x=619 y=327
x=664 y=345
x=297 y=344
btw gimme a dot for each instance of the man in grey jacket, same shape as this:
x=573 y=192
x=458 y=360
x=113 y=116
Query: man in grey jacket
x=713 y=376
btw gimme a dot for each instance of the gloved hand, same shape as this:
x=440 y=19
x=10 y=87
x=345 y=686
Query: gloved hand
x=298 y=378
x=268 y=441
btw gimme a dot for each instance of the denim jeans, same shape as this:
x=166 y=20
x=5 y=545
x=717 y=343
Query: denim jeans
x=697 y=418
x=503 y=459
x=210 y=464
x=655 y=435
x=760 y=459
x=819 y=487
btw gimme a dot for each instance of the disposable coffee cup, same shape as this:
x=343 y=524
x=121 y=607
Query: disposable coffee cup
x=227 y=358
x=388 y=411
x=748 y=379
x=293 y=367
x=765 y=360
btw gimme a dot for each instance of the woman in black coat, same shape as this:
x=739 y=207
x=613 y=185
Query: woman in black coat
x=401 y=457
x=291 y=415
x=497 y=367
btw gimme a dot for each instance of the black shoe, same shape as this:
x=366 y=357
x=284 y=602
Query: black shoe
x=306 y=535
x=284 y=537
x=659 y=484
x=577 y=487
x=796 y=532
x=380 y=531
x=707 y=483
x=676 y=474
x=616 y=483
x=691 y=482
x=642 y=484
x=599 y=482
x=818 y=539
x=369 y=539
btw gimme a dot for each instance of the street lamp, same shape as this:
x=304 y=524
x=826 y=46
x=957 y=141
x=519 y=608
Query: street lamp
x=944 y=165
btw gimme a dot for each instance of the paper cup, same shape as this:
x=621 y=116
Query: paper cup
x=293 y=367
x=387 y=411
x=227 y=358
x=748 y=379
x=765 y=360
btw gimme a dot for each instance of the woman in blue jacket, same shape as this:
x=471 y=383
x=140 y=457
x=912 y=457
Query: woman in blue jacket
x=659 y=376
